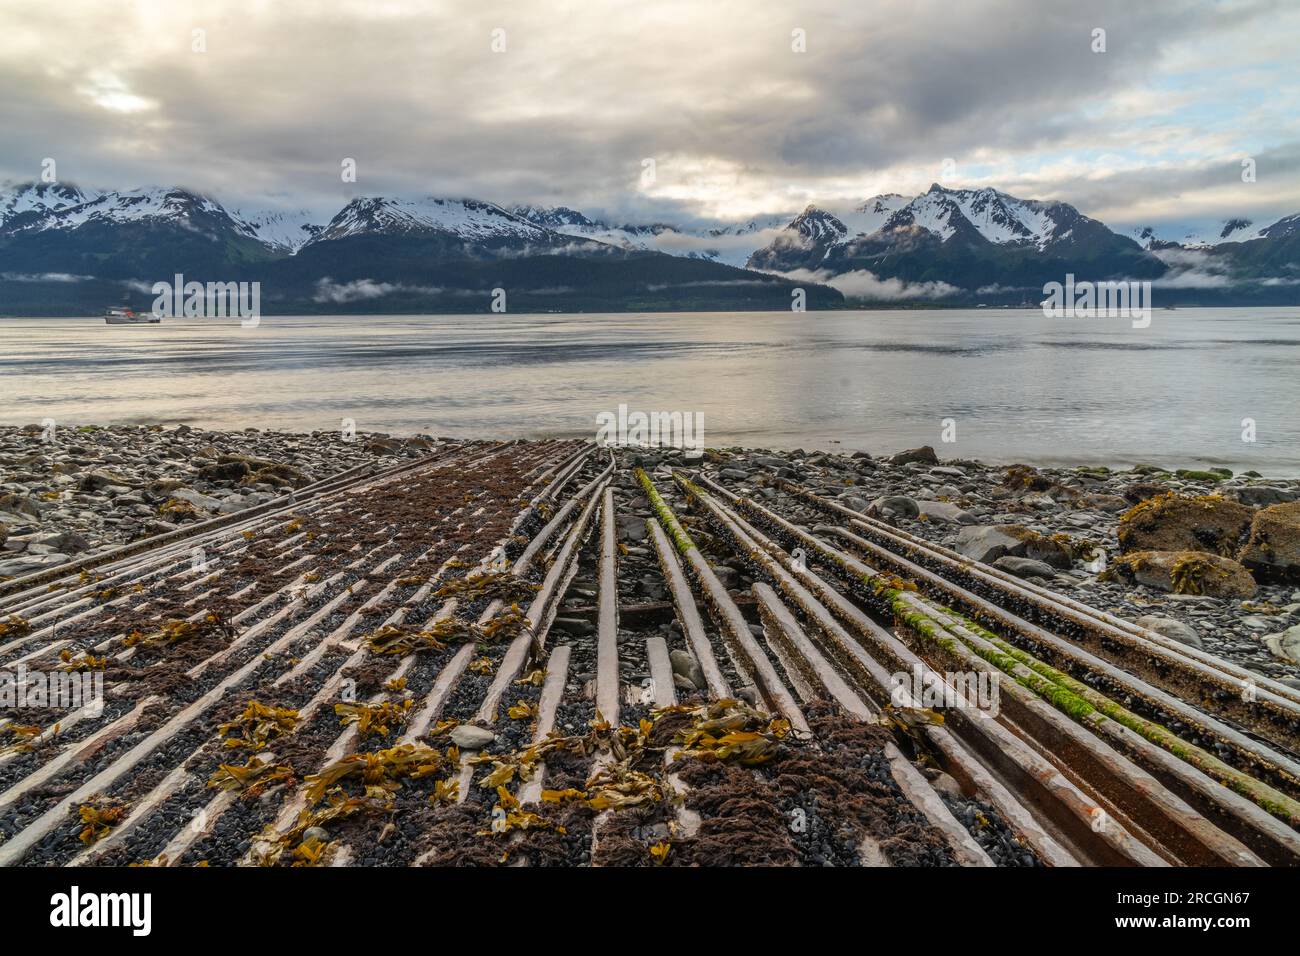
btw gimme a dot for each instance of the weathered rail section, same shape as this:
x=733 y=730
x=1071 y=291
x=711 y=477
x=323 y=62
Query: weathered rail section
x=541 y=653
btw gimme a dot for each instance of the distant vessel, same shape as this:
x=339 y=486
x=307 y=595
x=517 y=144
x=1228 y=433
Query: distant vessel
x=129 y=317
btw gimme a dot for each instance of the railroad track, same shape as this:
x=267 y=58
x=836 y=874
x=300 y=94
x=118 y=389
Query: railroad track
x=541 y=654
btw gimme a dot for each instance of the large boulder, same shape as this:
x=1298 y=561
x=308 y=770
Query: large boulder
x=942 y=512
x=987 y=543
x=102 y=478
x=1025 y=478
x=1274 y=542
x=1111 y=504
x=197 y=499
x=164 y=485
x=1184 y=572
x=27 y=563
x=1024 y=567
x=1171 y=522
x=66 y=542
x=1141 y=491
x=225 y=470
x=20 y=504
x=894 y=506
x=925 y=454
x=278 y=476
x=1261 y=496
x=1285 y=644
x=1169 y=627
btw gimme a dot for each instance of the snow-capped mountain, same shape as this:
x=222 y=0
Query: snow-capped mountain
x=558 y=218
x=136 y=205
x=866 y=218
x=467 y=219
x=1288 y=227
x=570 y=222
x=65 y=251
x=29 y=203
x=994 y=216
x=39 y=207
x=1224 y=231
x=285 y=231
x=803 y=244
x=976 y=245
x=137 y=235
x=815 y=225
x=888 y=229
x=979 y=245
x=1228 y=230
x=51 y=207
x=35 y=208
x=748 y=228
x=730 y=244
x=967 y=215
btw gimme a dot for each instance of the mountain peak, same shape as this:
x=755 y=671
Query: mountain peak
x=284 y=230
x=26 y=203
x=1233 y=225
x=818 y=225
x=39 y=207
x=553 y=217
x=1284 y=227
x=466 y=219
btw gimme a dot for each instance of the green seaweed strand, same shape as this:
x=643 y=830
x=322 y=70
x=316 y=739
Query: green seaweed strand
x=681 y=540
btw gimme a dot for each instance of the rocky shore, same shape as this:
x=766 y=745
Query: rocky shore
x=77 y=490
x=1206 y=557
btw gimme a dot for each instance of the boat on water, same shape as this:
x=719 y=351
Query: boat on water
x=130 y=317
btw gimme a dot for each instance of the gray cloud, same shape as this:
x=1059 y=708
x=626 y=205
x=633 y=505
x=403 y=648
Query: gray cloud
x=737 y=123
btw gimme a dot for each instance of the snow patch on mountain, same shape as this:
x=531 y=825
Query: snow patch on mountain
x=997 y=217
x=866 y=218
x=558 y=218
x=467 y=219
x=728 y=244
x=286 y=231
x=37 y=200
x=815 y=225
x=36 y=209
x=1207 y=236
x=134 y=205
x=1284 y=227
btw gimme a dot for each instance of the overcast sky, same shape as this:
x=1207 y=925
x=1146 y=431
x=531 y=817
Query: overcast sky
x=739 y=124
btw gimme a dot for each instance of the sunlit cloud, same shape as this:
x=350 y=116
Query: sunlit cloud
x=107 y=90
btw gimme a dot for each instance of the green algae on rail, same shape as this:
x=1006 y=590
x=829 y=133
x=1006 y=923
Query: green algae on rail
x=681 y=540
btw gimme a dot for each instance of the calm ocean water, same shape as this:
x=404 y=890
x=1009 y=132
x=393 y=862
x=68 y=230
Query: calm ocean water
x=1020 y=387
